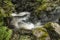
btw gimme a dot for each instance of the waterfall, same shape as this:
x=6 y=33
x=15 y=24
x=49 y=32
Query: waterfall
x=21 y=20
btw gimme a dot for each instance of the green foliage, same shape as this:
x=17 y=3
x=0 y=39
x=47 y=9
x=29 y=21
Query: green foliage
x=6 y=8
x=42 y=7
x=5 y=33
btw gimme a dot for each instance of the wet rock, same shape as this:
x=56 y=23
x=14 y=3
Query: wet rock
x=53 y=30
x=41 y=34
x=56 y=27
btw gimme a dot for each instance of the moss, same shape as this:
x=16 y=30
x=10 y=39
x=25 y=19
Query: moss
x=42 y=7
x=48 y=26
x=5 y=33
x=40 y=33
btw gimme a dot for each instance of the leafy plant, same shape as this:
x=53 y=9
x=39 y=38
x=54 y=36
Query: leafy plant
x=5 y=33
x=6 y=8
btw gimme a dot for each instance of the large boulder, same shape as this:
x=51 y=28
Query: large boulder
x=53 y=26
x=53 y=30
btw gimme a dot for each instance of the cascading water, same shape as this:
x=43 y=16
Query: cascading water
x=21 y=20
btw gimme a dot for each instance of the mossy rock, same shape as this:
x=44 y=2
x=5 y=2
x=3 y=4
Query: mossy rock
x=25 y=37
x=40 y=33
x=5 y=33
x=49 y=26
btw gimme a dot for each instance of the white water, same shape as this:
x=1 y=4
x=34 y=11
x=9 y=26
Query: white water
x=19 y=21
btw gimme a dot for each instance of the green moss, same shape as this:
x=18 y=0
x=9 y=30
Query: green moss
x=48 y=26
x=6 y=8
x=40 y=31
x=42 y=7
